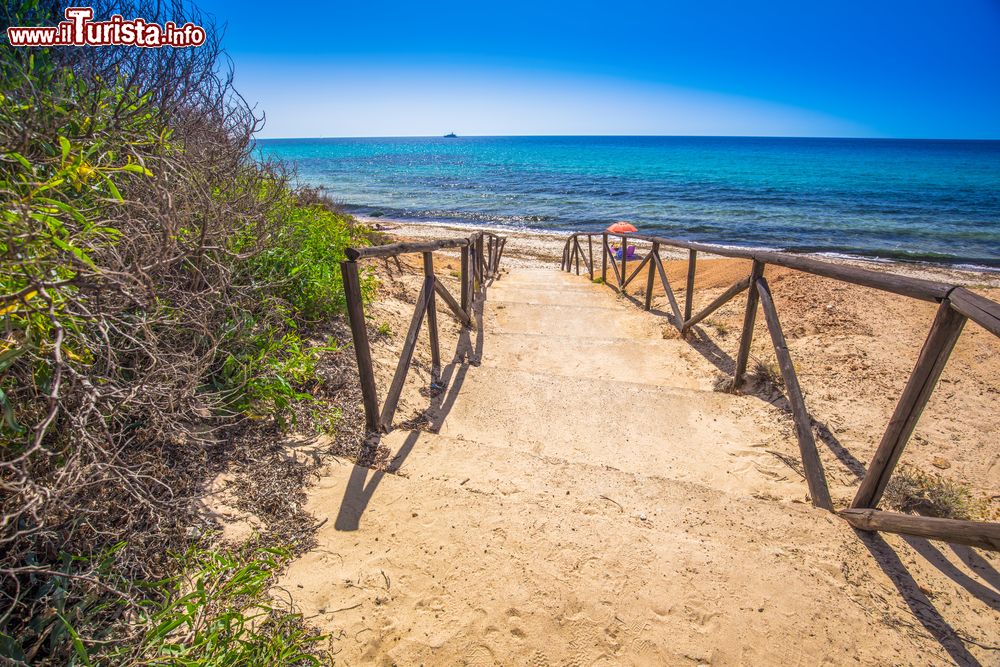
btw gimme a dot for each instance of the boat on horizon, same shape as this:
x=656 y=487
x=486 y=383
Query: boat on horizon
x=451 y=135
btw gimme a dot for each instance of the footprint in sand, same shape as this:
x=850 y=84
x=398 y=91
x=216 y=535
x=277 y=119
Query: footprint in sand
x=481 y=655
x=538 y=659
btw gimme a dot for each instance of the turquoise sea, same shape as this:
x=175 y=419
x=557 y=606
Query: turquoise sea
x=916 y=200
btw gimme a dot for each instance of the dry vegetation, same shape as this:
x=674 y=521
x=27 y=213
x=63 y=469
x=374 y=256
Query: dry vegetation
x=169 y=306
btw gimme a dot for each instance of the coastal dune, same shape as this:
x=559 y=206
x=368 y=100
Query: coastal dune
x=581 y=494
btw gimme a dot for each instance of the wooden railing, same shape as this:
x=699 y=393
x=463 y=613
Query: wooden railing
x=956 y=306
x=480 y=260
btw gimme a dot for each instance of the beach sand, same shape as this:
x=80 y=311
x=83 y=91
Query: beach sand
x=534 y=248
x=853 y=348
x=489 y=540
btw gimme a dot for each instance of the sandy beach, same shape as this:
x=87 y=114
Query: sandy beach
x=508 y=523
x=853 y=347
x=533 y=247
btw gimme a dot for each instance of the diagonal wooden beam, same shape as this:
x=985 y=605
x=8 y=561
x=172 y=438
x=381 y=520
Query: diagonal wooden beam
x=940 y=341
x=459 y=312
x=815 y=477
x=717 y=303
x=678 y=320
x=634 y=273
x=614 y=264
x=409 y=343
x=589 y=264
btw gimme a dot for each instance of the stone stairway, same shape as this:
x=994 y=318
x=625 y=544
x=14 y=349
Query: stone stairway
x=587 y=499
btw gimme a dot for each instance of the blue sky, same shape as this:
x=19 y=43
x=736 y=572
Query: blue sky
x=846 y=68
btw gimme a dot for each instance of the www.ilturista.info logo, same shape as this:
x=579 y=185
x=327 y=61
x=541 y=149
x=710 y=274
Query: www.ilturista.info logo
x=79 y=30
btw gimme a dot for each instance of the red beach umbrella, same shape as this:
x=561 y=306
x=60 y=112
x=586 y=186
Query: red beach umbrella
x=622 y=227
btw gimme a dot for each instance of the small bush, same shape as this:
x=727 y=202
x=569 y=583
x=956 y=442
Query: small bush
x=723 y=384
x=217 y=612
x=912 y=490
x=721 y=327
x=302 y=260
x=158 y=286
x=766 y=373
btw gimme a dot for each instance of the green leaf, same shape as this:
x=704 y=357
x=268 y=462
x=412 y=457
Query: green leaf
x=65 y=208
x=11 y=649
x=137 y=169
x=7 y=357
x=8 y=415
x=64 y=142
x=80 y=255
x=81 y=650
x=20 y=158
x=114 y=190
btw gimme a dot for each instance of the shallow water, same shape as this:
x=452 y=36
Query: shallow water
x=918 y=200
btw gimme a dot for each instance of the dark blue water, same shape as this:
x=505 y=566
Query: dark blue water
x=936 y=201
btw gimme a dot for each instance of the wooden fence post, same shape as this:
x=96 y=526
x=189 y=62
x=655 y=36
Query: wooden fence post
x=816 y=480
x=604 y=258
x=940 y=341
x=590 y=252
x=494 y=244
x=748 y=320
x=432 y=326
x=649 y=279
x=362 y=350
x=464 y=269
x=730 y=292
x=689 y=295
x=624 y=273
x=481 y=262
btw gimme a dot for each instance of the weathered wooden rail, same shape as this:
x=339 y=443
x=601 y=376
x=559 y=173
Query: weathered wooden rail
x=956 y=306
x=480 y=260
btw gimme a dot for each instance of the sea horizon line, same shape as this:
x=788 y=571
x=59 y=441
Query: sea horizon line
x=638 y=136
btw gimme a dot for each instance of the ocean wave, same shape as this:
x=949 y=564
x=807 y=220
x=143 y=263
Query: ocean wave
x=861 y=199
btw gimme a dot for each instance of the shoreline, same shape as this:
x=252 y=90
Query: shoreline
x=532 y=247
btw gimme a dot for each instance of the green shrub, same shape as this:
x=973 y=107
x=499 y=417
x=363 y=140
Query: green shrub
x=158 y=285
x=217 y=613
x=913 y=490
x=268 y=368
x=302 y=261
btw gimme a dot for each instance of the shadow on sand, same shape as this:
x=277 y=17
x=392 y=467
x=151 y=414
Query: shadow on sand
x=360 y=488
x=885 y=556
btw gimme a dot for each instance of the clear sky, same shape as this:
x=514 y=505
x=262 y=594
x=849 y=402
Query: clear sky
x=884 y=68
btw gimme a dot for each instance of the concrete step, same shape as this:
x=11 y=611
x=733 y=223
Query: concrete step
x=588 y=321
x=540 y=278
x=625 y=425
x=659 y=362
x=508 y=469
x=559 y=296
x=539 y=561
